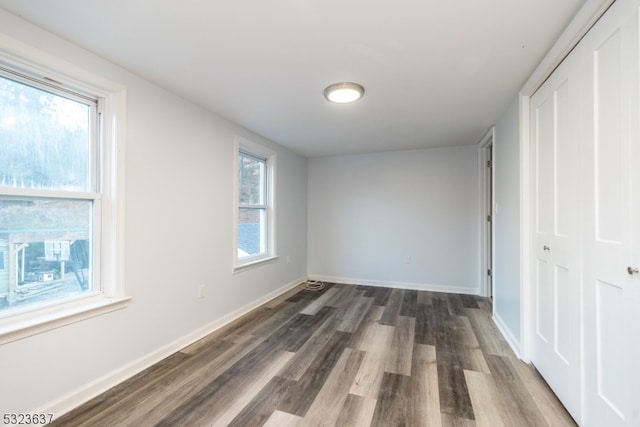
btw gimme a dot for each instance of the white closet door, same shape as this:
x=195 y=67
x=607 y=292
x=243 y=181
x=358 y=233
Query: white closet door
x=556 y=268
x=611 y=217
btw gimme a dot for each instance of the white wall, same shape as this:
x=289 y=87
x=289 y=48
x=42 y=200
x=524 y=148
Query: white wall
x=178 y=235
x=368 y=213
x=506 y=294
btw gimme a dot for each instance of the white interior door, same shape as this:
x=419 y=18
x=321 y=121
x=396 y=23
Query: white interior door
x=556 y=243
x=611 y=302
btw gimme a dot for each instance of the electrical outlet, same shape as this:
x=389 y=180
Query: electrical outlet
x=407 y=259
x=201 y=290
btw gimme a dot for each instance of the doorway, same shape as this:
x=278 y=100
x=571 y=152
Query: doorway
x=487 y=209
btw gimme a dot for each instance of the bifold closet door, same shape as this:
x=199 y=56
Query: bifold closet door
x=609 y=123
x=585 y=140
x=556 y=251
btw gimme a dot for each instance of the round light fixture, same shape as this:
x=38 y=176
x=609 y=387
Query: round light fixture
x=343 y=92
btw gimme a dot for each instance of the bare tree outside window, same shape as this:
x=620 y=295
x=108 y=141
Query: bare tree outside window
x=45 y=163
x=252 y=179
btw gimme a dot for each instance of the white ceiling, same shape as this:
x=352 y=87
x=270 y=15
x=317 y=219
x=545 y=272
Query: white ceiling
x=436 y=73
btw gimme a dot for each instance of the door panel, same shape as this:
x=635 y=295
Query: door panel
x=632 y=296
x=543 y=146
x=609 y=335
x=566 y=320
x=608 y=144
x=585 y=149
x=610 y=66
x=612 y=238
x=544 y=304
x=556 y=346
x=565 y=158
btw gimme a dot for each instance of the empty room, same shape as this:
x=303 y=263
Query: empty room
x=305 y=213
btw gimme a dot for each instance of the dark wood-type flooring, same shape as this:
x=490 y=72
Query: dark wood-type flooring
x=345 y=356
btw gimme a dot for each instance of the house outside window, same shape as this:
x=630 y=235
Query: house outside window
x=254 y=208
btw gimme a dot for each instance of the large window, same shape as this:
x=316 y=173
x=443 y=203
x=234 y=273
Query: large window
x=58 y=185
x=254 y=240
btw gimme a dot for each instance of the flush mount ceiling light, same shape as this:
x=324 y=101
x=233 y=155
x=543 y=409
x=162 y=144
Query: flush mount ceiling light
x=343 y=92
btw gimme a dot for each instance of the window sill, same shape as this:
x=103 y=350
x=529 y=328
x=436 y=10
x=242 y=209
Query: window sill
x=253 y=263
x=31 y=323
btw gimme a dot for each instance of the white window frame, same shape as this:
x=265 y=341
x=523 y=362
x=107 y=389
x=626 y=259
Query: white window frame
x=108 y=291
x=259 y=151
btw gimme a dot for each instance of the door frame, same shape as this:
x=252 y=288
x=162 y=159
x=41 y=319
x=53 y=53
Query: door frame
x=487 y=239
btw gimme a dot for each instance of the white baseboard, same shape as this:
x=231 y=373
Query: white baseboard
x=82 y=395
x=399 y=285
x=507 y=334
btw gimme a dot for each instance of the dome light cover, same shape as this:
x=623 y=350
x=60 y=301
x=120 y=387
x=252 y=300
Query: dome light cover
x=344 y=92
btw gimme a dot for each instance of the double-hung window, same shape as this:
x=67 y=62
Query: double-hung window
x=58 y=184
x=255 y=173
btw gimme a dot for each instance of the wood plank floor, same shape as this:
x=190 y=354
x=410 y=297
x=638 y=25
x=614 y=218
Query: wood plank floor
x=345 y=356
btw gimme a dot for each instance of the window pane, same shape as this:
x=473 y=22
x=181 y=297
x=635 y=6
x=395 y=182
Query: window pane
x=252 y=180
x=46 y=245
x=45 y=139
x=251 y=232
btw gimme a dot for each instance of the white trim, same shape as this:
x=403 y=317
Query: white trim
x=581 y=23
x=271 y=157
x=24 y=56
x=109 y=269
x=506 y=333
x=526 y=298
x=398 y=285
x=72 y=400
x=586 y=17
x=254 y=262
x=48 y=194
x=486 y=141
x=38 y=321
